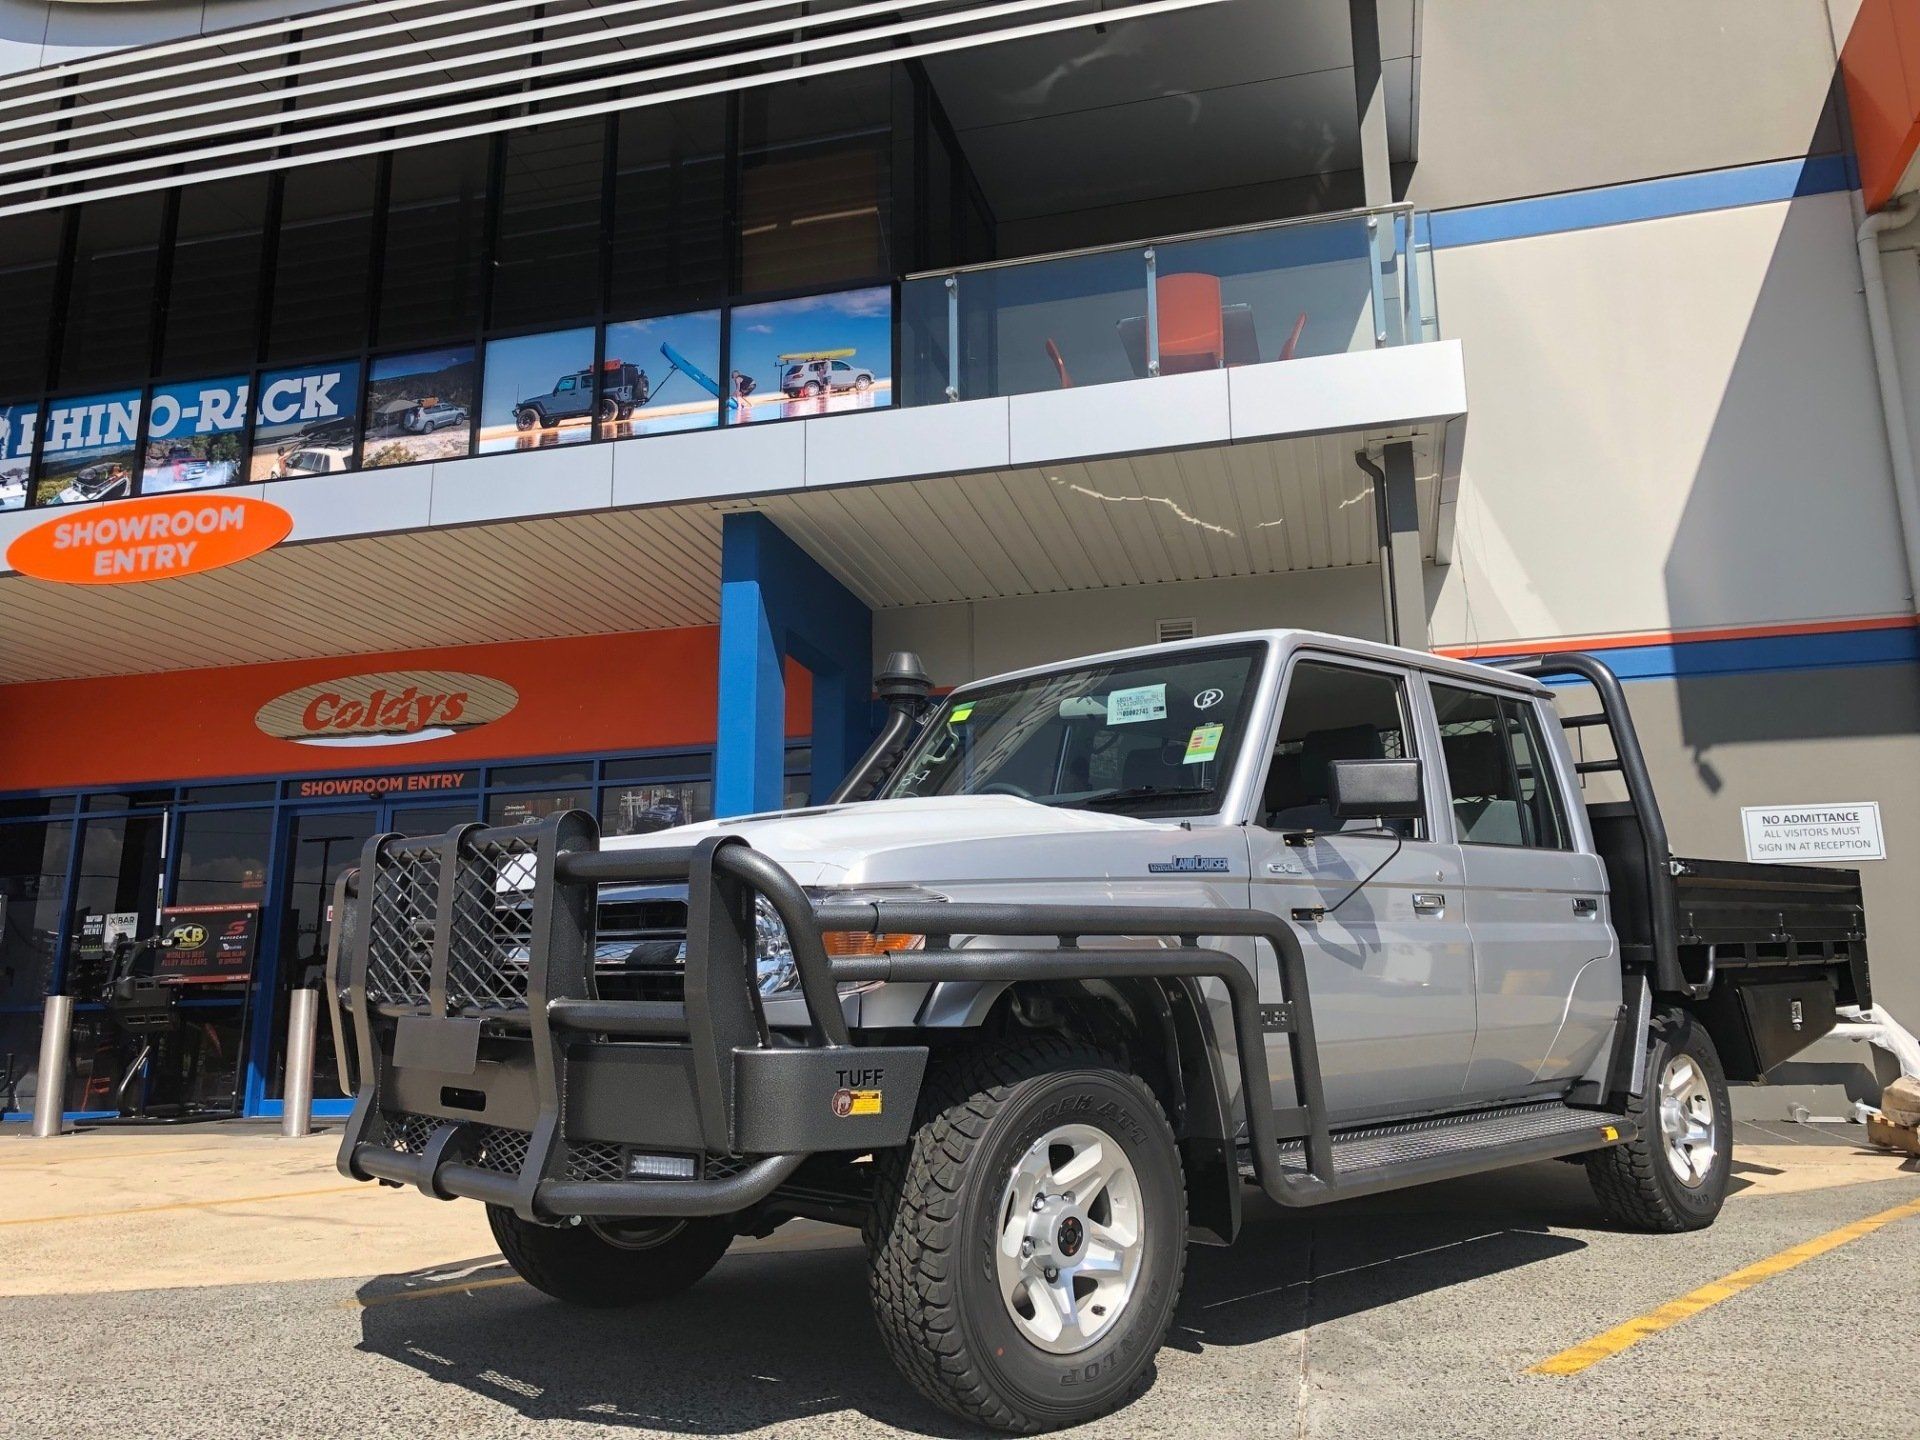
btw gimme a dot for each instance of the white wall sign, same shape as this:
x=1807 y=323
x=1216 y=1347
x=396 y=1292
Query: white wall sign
x=1795 y=834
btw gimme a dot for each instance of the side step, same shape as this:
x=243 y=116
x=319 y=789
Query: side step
x=1373 y=1158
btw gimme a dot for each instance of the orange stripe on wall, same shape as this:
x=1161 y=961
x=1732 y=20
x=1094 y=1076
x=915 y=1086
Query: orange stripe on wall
x=1675 y=637
x=647 y=690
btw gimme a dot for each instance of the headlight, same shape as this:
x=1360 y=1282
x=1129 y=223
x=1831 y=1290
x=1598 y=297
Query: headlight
x=774 y=966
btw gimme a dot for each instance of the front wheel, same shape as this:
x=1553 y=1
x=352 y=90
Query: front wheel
x=1029 y=1242
x=1674 y=1175
x=608 y=1264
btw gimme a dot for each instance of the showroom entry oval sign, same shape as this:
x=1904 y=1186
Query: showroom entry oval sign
x=152 y=539
x=398 y=707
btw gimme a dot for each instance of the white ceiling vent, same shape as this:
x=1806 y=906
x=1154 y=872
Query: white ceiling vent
x=1166 y=630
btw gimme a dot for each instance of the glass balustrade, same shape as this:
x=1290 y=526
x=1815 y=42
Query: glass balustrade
x=1252 y=295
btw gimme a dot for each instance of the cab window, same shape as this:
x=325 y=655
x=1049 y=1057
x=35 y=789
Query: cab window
x=1334 y=712
x=1498 y=774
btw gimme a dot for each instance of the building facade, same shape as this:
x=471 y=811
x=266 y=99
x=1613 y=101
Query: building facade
x=595 y=390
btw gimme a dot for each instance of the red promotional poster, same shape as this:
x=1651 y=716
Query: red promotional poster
x=207 y=944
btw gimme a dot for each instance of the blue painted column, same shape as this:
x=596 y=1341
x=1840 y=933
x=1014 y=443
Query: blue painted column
x=777 y=603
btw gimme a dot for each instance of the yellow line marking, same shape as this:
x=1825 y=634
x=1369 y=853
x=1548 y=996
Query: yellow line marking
x=188 y=1205
x=1621 y=1337
x=459 y=1287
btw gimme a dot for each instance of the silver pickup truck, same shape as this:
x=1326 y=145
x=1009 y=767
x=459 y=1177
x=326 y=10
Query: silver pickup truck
x=1076 y=954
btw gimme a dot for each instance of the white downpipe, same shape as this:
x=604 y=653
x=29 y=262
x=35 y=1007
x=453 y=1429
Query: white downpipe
x=1886 y=364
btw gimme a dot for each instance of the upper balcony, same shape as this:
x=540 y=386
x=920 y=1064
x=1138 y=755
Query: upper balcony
x=1249 y=295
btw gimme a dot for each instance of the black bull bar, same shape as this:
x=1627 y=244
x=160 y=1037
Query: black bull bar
x=487 y=1065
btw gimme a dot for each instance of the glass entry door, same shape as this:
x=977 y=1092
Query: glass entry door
x=320 y=846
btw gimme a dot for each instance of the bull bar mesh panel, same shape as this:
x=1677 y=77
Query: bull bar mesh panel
x=406 y=897
x=491 y=937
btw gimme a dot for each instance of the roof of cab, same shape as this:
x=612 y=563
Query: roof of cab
x=1296 y=639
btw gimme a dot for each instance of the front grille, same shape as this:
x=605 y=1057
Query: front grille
x=492 y=930
x=641 y=950
x=406 y=897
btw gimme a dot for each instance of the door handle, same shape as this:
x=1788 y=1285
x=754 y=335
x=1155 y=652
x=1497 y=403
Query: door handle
x=1585 y=906
x=1429 y=902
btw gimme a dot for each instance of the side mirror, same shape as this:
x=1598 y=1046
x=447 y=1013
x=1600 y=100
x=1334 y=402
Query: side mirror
x=1375 y=790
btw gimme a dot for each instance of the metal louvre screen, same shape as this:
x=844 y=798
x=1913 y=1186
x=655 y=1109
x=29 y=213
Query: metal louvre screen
x=361 y=79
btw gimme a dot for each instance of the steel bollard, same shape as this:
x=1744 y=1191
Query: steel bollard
x=50 y=1084
x=296 y=1111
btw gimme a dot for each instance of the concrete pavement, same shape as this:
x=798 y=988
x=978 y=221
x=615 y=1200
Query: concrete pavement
x=224 y=1283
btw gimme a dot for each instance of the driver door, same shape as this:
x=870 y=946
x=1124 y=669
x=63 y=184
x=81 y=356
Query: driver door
x=1389 y=961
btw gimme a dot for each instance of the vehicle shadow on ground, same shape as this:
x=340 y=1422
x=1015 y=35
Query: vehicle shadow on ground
x=779 y=1335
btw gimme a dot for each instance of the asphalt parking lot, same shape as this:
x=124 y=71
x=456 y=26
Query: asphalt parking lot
x=227 y=1283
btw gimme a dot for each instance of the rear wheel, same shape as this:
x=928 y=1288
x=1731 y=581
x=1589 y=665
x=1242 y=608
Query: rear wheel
x=607 y=1264
x=526 y=418
x=1673 y=1177
x=1029 y=1242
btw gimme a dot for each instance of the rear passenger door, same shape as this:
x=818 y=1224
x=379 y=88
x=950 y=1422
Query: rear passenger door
x=1546 y=976
x=1390 y=967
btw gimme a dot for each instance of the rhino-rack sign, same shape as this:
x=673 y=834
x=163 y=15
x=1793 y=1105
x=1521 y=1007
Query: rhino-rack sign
x=149 y=539
x=396 y=707
x=1795 y=834
x=420 y=782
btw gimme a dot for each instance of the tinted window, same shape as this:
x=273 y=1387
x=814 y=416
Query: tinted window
x=436 y=224
x=108 y=330
x=815 y=193
x=214 y=290
x=1497 y=772
x=323 y=261
x=33 y=872
x=668 y=240
x=1333 y=713
x=546 y=263
x=29 y=257
x=640 y=809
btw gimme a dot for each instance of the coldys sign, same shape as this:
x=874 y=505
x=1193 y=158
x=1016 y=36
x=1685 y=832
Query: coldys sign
x=149 y=539
x=397 y=707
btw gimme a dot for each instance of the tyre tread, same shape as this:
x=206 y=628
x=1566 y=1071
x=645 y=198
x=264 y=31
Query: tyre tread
x=911 y=1229
x=1629 y=1180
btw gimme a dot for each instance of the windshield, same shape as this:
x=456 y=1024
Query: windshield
x=1151 y=735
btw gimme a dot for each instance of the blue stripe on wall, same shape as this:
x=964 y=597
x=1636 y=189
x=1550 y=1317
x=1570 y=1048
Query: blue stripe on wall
x=1642 y=200
x=1762 y=654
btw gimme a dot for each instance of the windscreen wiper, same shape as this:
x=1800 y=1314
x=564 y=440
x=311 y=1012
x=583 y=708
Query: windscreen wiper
x=1101 y=798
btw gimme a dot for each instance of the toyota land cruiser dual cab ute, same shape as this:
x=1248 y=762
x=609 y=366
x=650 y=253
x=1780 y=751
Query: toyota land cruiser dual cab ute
x=1111 y=939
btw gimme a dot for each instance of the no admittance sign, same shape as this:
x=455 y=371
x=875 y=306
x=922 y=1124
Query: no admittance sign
x=1795 y=834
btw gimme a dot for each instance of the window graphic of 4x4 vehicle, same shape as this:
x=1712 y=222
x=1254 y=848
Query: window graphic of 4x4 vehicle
x=429 y=416
x=818 y=372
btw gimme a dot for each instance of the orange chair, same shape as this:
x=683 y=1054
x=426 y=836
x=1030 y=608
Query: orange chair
x=1059 y=363
x=1293 y=340
x=1190 y=330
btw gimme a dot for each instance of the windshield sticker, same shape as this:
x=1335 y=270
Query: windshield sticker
x=1141 y=702
x=1209 y=698
x=1203 y=744
x=960 y=713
